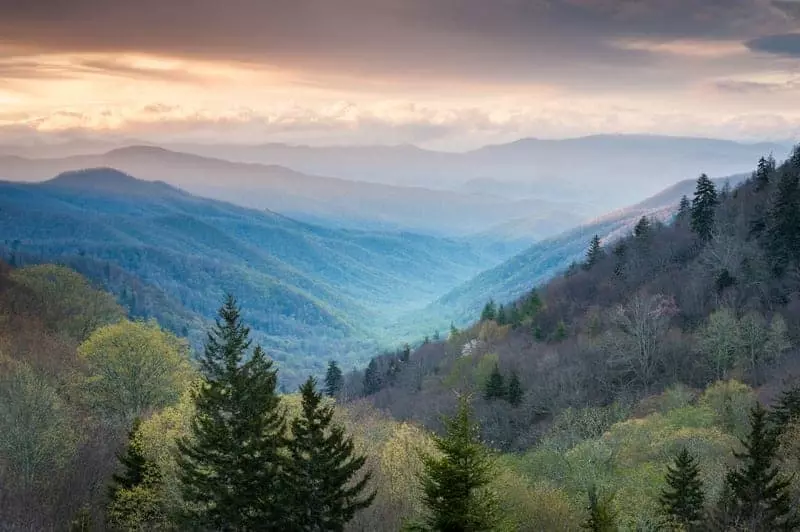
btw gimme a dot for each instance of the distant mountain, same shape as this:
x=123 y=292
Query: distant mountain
x=541 y=261
x=310 y=198
x=310 y=292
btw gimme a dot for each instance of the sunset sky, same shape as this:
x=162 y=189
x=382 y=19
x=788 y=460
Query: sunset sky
x=446 y=74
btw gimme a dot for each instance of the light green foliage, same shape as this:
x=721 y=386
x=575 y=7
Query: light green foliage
x=718 y=341
x=730 y=401
x=575 y=425
x=65 y=300
x=37 y=436
x=134 y=367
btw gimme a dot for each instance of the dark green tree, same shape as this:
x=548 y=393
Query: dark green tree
x=333 y=379
x=594 y=254
x=642 y=227
x=405 y=355
x=134 y=465
x=704 y=208
x=762 y=175
x=761 y=497
x=602 y=516
x=683 y=498
x=787 y=408
x=372 y=378
x=502 y=317
x=783 y=222
x=560 y=333
x=684 y=208
x=515 y=316
x=514 y=393
x=231 y=467
x=489 y=311
x=532 y=305
x=455 y=483
x=495 y=387
x=324 y=472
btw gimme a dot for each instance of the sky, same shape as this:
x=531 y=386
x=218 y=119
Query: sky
x=442 y=74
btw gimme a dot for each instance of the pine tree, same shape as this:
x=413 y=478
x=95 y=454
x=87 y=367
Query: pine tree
x=783 y=222
x=323 y=470
x=333 y=379
x=405 y=355
x=455 y=484
x=489 y=311
x=514 y=393
x=502 y=318
x=602 y=516
x=642 y=228
x=703 y=208
x=761 y=177
x=683 y=497
x=787 y=408
x=133 y=462
x=495 y=386
x=372 y=378
x=594 y=254
x=684 y=208
x=231 y=467
x=761 y=497
x=515 y=316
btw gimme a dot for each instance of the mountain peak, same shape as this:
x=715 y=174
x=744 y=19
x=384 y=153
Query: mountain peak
x=110 y=180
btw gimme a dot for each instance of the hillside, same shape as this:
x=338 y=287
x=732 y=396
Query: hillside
x=310 y=292
x=311 y=198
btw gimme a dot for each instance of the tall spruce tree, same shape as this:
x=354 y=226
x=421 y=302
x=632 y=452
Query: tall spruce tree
x=333 y=379
x=231 y=466
x=761 y=499
x=514 y=393
x=642 y=228
x=602 y=516
x=594 y=254
x=704 y=208
x=134 y=465
x=324 y=471
x=783 y=221
x=684 y=208
x=683 y=498
x=763 y=173
x=787 y=408
x=455 y=483
x=502 y=316
x=372 y=378
x=495 y=387
x=489 y=311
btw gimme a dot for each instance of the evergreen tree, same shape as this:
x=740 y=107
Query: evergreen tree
x=133 y=462
x=783 y=222
x=761 y=498
x=684 y=208
x=495 y=386
x=514 y=393
x=502 y=318
x=405 y=355
x=532 y=305
x=703 y=208
x=602 y=516
x=560 y=333
x=683 y=497
x=761 y=177
x=455 y=484
x=642 y=227
x=594 y=254
x=372 y=378
x=489 y=311
x=515 y=316
x=231 y=467
x=322 y=470
x=333 y=379
x=787 y=409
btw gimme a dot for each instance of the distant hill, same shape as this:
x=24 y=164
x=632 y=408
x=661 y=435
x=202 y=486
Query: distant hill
x=308 y=197
x=311 y=293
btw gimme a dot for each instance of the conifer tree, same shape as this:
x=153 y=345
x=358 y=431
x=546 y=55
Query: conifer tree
x=495 y=386
x=405 y=355
x=333 y=379
x=683 y=498
x=684 y=208
x=761 y=498
x=602 y=516
x=761 y=177
x=372 y=378
x=787 y=408
x=327 y=488
x=514 y=393
x=455 y=484
x=502 y=318
x=133 y=462
x=231 y=466
x=489 y=311
x=515 y=316
x=642 y=227
x=703 y=208
x=783 y=222
x=595 y=252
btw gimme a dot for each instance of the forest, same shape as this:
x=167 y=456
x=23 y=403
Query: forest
x=651 y=386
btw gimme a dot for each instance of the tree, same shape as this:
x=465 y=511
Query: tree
x=133 y=464
x=718 y=340
x=456 y=481
x=684 y=208
x=372 y=378
x=761 y=496
x=495 y=387
x=683 y=498
x=489 y=311
x=134 y=367
x=594 y=254
x=322 y=469
x=761 y=177
x=602 y=516
x=783 y=222
x=642 y=228
x=787 y=408
x=703 y=208
x=230 y=466
x=501 y=318
x=514 y=394
x=333 y=379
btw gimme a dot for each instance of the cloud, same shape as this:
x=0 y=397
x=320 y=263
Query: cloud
x=786 y=44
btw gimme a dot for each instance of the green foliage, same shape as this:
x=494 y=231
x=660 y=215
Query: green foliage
x=704 y=208
x=642 y=227
x=594 y=253
x=684 y=208
x=602 y=516
x=231 y=465
x=495 y=387
x=373 y=380
x=783 y=222
x=65 y=300
x=787 y=408
x=489 y=311
x=730 y=402
x=133 y=368
x=456 y=482
x=760 y=494
x=322 y=471
x=333 y=379
x=514 y=393
x=683 y=498
x=762 y=175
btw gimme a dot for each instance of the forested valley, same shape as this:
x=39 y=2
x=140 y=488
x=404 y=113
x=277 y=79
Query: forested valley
x=649 y=387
